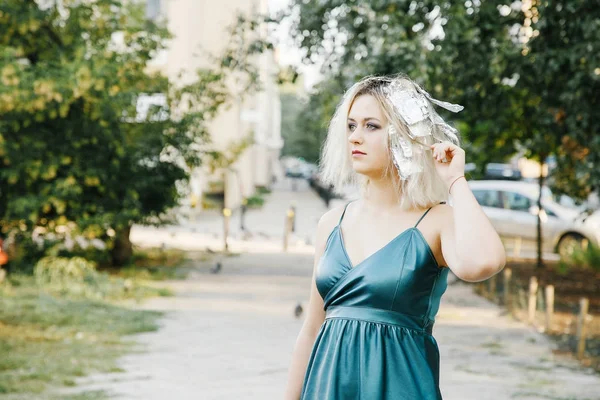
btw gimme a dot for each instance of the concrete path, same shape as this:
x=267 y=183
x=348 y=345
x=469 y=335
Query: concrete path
x=230 y=336
x=264 y=226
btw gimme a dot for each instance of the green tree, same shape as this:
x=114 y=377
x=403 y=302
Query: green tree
x=313 y=119
x=559 y=74
x=78 y=155
x=527 y=73
x=291 y=104
x=466 y=64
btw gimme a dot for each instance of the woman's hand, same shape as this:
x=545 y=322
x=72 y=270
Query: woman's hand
x=449 y=161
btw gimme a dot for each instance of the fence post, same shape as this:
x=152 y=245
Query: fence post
x=494 y=288
x=584 y=304
x=549 y=307
x=517 y=247
x=507 y=298
x=533 y=287
x=485 y=289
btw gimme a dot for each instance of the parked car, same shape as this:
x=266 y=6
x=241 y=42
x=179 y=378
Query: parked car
x=512 y=208
x=298 y=168
x=497 y=171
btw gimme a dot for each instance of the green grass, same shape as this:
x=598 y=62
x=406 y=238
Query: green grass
x=48 y=340
x=262 y=190
x=154 y=264
x=59 y=327
x=581 y=258
x=255 y=201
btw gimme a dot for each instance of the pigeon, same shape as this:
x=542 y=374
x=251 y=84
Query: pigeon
x=308 y=240
x=298 y=310
x=216 y=269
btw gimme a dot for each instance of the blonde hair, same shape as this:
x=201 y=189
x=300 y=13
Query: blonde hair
x=422 y=189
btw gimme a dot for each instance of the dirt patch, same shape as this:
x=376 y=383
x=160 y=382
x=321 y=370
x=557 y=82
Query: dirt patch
x=569 y=287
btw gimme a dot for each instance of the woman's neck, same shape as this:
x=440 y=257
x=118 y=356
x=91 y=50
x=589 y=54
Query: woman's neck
x=381 y=195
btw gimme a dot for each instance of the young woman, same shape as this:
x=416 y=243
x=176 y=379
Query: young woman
x=382 y=260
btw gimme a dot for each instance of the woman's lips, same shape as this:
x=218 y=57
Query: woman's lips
x=356 y=153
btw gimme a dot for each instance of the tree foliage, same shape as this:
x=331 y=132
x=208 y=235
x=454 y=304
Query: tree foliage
x=91 y=140
x=526 y=72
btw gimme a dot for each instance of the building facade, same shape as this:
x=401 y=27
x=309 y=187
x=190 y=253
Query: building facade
x=200 y=28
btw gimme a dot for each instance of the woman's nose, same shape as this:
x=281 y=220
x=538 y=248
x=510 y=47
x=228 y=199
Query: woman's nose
x=355 y=136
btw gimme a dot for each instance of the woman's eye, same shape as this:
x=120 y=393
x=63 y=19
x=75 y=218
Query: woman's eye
x=351 y=127
x=372 y=127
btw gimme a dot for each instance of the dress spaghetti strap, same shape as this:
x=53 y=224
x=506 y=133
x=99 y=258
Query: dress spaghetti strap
x=344 y=212
x=422 y=216
x=425 y=213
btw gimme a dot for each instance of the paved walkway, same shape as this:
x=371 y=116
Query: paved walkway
x=230 y=336
x=264 y=226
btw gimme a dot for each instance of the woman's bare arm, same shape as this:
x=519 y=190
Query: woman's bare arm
x=315 y=314
x=471 y=246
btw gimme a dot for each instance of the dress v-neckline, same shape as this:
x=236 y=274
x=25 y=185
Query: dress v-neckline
x=352 y=266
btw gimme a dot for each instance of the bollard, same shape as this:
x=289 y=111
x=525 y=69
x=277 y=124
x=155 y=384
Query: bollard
x=226 y=217
x=533 y=287
x=243 y=214
x=287 y=227
x=293 y=210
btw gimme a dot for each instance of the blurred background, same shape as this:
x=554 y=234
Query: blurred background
x=159 y=177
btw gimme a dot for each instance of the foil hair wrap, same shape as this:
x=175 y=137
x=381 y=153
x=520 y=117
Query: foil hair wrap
x=416 y=112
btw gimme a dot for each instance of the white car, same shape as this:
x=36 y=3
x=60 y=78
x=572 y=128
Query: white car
x=512 y=208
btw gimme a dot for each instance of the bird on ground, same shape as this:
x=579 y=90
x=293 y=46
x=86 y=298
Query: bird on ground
x=217 y=268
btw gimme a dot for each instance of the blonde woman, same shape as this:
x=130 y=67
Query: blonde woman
x=382 y=260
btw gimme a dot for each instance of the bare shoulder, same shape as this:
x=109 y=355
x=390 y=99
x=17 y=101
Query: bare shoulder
x=444 y=210
x=443 y=215
x=327 y=223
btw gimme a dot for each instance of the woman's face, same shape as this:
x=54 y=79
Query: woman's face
x=367 y=130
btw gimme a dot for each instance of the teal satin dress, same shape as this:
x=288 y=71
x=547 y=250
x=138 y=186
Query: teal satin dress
x=376 y=341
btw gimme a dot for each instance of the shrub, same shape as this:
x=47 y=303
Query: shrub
x=588 y=257
x=77 y=277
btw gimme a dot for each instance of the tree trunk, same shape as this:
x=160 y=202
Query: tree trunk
x=123 y=249
x=540 y=260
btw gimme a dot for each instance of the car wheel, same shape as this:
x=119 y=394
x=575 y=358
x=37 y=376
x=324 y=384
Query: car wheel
x=570 y=243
